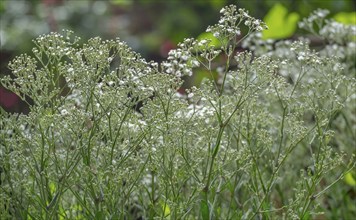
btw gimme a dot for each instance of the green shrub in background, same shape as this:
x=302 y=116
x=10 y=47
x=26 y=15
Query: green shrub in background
x=269 y=135
x=137 y=22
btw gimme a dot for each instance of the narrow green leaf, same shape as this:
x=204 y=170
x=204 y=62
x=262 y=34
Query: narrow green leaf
x=204 y=210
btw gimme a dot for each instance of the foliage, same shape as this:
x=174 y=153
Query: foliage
x=137 y=22
x=109 y=136
x=279 y=24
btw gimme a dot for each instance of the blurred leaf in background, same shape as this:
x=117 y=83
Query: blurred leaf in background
x=281 y=24
x=349 y=179
x=346 y=18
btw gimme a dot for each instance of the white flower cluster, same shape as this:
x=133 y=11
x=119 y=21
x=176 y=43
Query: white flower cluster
x=328 y=29
x=255 y=43
x=177 y=63
x=316 y=16
x=337 y=32
x=54 y=45
x=228 y=26
x=180 y=61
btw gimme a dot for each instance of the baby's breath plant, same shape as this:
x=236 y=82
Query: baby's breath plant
x=109 y=136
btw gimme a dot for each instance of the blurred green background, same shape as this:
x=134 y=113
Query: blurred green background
x=150 y=27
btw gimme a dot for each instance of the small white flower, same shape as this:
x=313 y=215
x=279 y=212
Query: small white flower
x=185 y=57
x=259 y=28
x=195 y=63
x=301 y=56
x=64 y=112
x=256 y=22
